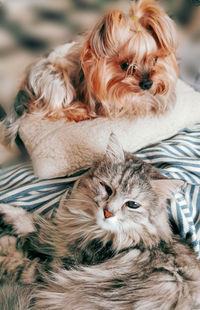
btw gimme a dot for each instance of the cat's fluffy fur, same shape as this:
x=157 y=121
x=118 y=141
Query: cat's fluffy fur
x=109 y=246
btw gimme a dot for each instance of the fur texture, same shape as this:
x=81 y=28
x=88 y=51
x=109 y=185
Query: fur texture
x=126 y=67
x=109 y=246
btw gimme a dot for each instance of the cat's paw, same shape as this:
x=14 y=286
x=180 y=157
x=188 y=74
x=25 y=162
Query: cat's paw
x=13 y=263
x=15 y=220
x=7 y=245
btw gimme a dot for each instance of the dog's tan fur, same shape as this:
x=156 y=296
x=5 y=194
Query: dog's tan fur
x=87 y=79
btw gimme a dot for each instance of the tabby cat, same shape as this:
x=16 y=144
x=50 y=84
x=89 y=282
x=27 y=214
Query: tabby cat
x=109 y=246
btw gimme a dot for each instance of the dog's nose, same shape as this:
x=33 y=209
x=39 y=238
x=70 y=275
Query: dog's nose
x=146 y=84
x=107 y=213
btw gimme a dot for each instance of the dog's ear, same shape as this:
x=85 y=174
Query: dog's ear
x=158 y=23
x=102 y=39
x=100 y=43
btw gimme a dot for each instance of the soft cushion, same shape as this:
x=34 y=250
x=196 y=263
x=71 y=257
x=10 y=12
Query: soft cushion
x=60 y=148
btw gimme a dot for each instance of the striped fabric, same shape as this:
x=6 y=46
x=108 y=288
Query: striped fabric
x=19 y=187
x=177 y=158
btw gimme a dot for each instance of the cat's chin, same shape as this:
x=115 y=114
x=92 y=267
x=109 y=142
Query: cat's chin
x=109 y=224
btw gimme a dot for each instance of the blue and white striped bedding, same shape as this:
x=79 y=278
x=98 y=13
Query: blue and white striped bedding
x=177 y=157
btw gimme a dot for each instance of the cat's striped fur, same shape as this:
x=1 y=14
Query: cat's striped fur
x=82 y=259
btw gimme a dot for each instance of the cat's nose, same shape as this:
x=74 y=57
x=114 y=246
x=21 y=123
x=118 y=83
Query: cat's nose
x=107 y=213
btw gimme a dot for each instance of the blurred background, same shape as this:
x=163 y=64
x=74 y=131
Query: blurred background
x=31 y=28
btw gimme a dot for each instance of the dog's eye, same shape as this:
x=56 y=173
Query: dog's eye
x=107 y=188
x=124 y=65
x=132 y=204
x=155 y=59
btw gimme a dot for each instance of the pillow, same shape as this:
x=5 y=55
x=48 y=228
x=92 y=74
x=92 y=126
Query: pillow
x=60 y=148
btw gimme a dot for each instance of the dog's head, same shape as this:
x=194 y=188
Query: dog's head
x=130 y=55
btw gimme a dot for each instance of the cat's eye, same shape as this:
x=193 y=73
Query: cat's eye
x=132 y=204
x=124 y=65
x=107 y=188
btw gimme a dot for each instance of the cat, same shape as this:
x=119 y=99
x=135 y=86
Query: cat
x=109 y=246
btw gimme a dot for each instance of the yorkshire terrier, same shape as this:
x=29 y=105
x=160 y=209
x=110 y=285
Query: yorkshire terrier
x=126 y=67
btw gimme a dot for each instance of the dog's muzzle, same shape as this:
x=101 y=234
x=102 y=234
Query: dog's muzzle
x=146 y=84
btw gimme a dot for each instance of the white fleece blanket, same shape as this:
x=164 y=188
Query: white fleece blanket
x=60 y=148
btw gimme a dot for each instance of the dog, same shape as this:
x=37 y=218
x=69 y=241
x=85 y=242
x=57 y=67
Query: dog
x=126 y=67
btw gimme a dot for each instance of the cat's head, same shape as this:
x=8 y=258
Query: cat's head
x=130 y=198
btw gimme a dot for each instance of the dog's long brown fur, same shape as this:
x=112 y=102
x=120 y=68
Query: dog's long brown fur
x=125 y=67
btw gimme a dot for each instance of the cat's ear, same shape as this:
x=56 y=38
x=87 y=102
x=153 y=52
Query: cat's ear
x=114 y=151
x=166 y=187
